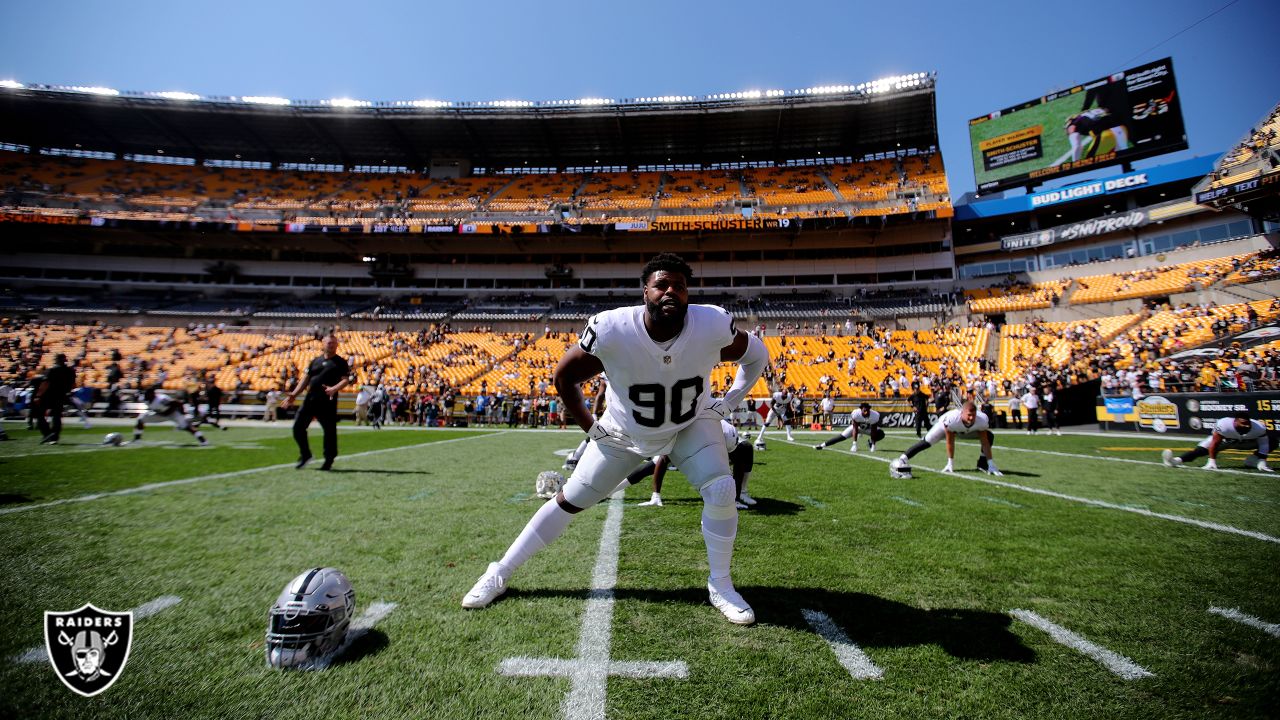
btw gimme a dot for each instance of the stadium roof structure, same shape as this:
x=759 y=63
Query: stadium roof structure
x=884 y=117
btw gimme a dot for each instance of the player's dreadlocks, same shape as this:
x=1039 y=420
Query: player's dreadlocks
x=669 y=262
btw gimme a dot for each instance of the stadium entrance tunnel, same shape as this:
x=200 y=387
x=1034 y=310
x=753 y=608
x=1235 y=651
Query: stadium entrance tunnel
x=870 y=621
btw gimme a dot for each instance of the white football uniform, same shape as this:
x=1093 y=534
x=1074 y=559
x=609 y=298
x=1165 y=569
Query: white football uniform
x=1226 y=427
x=657 y=397
x=863 y=423
x=653 y=392
x=950 y=422
x=164 y=408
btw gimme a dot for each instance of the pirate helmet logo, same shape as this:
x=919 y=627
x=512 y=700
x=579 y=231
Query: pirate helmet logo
x=89 y=647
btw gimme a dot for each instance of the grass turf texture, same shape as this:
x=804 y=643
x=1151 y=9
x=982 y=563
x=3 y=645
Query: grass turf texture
x=923 y=589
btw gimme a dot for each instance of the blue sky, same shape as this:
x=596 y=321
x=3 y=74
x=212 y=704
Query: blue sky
x=987 y=55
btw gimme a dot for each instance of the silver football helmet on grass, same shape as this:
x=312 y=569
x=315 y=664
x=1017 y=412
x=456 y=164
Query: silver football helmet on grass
x=549 y=483
x=114 y=438
x=310 y=618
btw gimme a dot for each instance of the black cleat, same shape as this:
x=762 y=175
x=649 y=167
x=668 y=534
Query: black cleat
x=49 y=440
x=328 y=465
x=302 y=461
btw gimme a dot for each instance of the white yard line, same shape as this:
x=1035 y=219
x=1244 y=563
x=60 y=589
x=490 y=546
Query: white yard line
x=849 y=655
x=1219 y=527
x=145 y=610
x=219 y=476
x=589 y=672
x=1116 y=663
x=1272 y=629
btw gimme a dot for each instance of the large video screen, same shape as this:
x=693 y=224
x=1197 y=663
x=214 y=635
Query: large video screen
x=1124 y=117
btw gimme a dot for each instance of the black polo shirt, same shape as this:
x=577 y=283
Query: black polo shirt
x=326 y=372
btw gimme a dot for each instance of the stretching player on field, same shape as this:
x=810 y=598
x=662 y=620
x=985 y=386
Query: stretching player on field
x=659 y=357
x=163 y=408
x=1230 y=432
x=965 y=421
x=780 y=412
x=863 y=421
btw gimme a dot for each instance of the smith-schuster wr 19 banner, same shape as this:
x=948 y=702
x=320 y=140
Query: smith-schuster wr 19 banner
x=1120 y=118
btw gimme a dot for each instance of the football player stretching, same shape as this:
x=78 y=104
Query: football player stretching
x=659 y=357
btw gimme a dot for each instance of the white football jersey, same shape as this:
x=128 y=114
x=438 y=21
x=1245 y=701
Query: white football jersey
x=781 y=403
x=1226 y=427
x=950 y=421
x=865 y=422
x=162 y=404
x=653 y=393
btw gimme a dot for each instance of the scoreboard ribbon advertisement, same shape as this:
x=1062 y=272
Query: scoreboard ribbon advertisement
x=1187 y=413
x=1123 y=117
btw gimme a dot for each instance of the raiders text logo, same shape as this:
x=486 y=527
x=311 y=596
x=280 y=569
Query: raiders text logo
x=88 y=647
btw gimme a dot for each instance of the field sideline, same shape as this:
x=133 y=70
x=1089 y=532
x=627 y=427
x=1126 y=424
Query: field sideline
x=940 y=596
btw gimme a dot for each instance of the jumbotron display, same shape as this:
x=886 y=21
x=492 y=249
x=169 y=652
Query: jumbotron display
x=1127 y=116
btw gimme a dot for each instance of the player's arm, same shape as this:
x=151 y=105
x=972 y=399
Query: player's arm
x=576 y=367
x=333 y=390
x=951 y=452
x=749 y=352
x=1214 y=443
x=293 y=394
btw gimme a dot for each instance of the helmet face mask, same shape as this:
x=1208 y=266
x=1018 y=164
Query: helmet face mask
x=309 y=620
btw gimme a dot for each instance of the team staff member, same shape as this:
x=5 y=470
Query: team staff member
x=325 y=378
x=920 y=407
x=51 y=397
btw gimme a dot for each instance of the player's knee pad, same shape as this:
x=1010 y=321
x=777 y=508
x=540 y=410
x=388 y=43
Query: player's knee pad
x=718 y=498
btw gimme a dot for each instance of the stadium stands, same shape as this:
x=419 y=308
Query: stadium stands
x=1161 y=281
x=149 y=191
x=1012 y=297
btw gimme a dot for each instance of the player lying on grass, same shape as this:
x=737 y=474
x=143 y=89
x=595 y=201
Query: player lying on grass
x=659 y=357
x=863 y=421
x=163 y=408
x=1238 y=431
x=965 y=421
x=741 y=459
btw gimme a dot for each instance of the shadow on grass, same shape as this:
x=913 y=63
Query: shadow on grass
x=869 y=621
x=13 y=498
x=379 y=472
x=770 y=506
x=371 y=643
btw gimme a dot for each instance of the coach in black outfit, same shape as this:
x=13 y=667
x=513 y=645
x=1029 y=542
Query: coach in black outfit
x=325 y=378
x=52 y=396
x=920 y=404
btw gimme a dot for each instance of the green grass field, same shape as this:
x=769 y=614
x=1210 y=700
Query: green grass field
x=920 y=574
